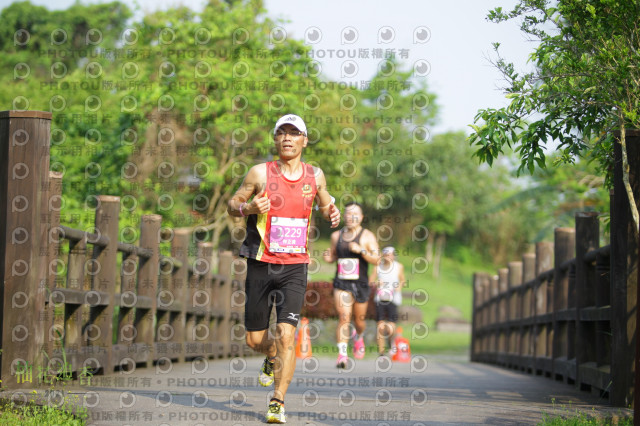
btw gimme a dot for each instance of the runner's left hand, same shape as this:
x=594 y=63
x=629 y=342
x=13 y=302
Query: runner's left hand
x=334 y=215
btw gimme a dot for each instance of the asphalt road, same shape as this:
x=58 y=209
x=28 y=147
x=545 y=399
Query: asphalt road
x=427 y=391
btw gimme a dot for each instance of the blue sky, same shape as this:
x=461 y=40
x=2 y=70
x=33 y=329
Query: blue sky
x=447 y=42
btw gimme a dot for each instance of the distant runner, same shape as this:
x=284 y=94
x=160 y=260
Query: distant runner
x=353 y=248
x=389 y=279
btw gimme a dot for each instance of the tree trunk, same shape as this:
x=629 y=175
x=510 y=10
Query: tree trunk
x=428 y=251
x=215 y=240
x=438 y=255
x=625 y=177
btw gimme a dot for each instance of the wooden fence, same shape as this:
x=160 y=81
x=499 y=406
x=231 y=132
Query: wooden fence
x=99 y=304
x=568 y=311
x=107 y=305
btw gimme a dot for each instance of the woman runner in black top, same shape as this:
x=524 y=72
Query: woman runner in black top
x=353 y=248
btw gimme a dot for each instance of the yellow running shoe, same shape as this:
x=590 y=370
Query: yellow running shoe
x=266 y=373
x=275 y=414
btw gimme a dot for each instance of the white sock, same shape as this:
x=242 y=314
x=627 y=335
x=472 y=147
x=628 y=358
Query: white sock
x=342 y=349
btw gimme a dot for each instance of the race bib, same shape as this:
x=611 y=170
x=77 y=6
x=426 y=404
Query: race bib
x=348 y=269
x=288 y=235
x=385 y=294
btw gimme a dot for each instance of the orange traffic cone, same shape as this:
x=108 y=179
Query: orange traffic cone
x=303 y=345
x=401 y=349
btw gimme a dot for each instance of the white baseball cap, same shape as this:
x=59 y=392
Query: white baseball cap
x=293 y=119
x=388 y=250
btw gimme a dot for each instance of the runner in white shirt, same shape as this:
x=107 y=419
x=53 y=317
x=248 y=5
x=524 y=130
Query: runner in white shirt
x=388 y=277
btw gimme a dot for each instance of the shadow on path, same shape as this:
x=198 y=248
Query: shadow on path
x=429 y=390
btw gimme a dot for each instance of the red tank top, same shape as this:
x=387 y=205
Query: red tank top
x=282 y=234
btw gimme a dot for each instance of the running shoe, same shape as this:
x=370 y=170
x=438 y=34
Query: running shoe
x=275 y=414
x=266 y=373
x=358 y=348
x=342 y=361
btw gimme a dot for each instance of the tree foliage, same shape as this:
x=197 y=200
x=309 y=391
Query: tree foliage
x=170 y=111
x=585 y=85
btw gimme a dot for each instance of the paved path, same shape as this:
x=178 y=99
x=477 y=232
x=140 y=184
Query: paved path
x=425 y=392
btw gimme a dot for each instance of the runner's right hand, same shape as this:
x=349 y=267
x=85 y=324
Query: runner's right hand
x=261 y=203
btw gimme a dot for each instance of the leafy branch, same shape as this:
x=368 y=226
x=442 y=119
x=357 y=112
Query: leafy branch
x=585 y=85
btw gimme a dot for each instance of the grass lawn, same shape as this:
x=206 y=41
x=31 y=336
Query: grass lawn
x=31 y=414
x=435 y=343
x=562 y=415
x=442 y=343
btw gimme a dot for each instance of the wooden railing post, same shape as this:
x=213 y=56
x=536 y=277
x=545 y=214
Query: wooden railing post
x=502 y=302
x=54 y=205
x=213 y=287
x=200 y=301
x=103 y=270
x=476 y=320
x=217 y=303
x=542 y=309
x=587 y=239
x=75 y=315
x=486 y=313
x=526 y=308
x=603 y=301
x=486 y=310
x=225 y=269
x=514 y=313
x=494 y=318
x=126 y=332
x=238 y=278
x=563 y=320
x=148 y=272
x=624 y=274
x=166 y=304
x=514 y=281
x=180 y=286
x=208 y=333
x=191 y=317
x=24 y=177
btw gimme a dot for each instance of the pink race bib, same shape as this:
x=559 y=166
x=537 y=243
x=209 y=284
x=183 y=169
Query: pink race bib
x=288 y=235
x=348 y=268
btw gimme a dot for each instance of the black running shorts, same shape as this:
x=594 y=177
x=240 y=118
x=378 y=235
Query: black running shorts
x=269 y=284
x=360 y=290
x=386 y=311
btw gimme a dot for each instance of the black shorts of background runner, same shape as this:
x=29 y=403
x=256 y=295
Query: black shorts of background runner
x=359 y=289
x=269 y=284
x=386 y=311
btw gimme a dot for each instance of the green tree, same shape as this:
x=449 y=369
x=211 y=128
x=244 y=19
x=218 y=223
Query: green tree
x=170 y=111
x=387 y=156
x=585 y=85
x=550 y=199
x=460 y=194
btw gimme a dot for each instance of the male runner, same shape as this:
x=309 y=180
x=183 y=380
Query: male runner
x=277 y=197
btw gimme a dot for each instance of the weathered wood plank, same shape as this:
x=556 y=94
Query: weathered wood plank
x=624 y=273
x=103 y=269
x=24 y=180
x=587 y=239
x=595 y=313
x=179 y=283
x=148 y=272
